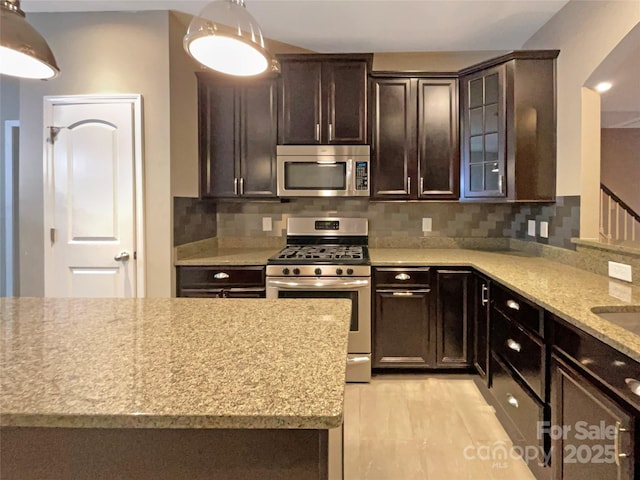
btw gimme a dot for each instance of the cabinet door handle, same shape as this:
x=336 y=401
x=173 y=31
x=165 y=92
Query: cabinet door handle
x=634 y=385
x=616 y=443
x=235 y=186
x=421 y=186
x=241 y=185
x=409 y=185
x=485 y=294
x=513 y=305
x=513 y=345
x=402 y=276
x=513 y=401
x=221 y=275
x=357 y=360
x=501 y=183
x=331 y=132
x=317 y=132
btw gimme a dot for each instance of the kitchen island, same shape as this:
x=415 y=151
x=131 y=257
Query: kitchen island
x=170 y=388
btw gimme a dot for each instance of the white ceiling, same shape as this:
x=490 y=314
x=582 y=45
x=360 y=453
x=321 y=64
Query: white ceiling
x=331 y=26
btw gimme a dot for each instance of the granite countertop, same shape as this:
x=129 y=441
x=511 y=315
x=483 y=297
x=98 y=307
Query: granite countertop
x=173 y=363
x=566 y=291
x=229 y=256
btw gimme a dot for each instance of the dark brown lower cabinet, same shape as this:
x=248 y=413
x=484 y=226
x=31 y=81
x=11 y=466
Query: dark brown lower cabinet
x=453 y=313
x=401 y=328
x=481 y=312
x=223 y=281
x=592 y=435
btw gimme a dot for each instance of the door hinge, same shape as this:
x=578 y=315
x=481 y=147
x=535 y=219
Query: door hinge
x=135 y=255
x=52 y=235
x=53 y=133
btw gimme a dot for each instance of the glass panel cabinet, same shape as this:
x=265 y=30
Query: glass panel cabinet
x=508 y=146
x=484 y=136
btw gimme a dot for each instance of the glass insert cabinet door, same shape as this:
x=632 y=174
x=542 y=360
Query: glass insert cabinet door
x=484 y=134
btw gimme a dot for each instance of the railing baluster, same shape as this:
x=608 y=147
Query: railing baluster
x=610 y=206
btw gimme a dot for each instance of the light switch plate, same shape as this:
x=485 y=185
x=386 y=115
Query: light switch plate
x=621 y=271
x=427 y=224
x=267 y=224
x=544 y=229
x=531 y=228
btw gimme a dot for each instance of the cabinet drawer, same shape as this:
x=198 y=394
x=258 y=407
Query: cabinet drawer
x=395 y=276
x=518 y=309
x=615 y=370
x=524 y=412
x=521 y=351
x=207 y=277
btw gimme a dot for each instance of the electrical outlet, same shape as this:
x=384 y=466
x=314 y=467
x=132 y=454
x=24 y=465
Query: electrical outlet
x=620 y=271
x=544 y=229
x=267 y=224
x=427 y=224
x=531 y=228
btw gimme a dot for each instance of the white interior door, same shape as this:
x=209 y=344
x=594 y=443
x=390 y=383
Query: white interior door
x=91 y=237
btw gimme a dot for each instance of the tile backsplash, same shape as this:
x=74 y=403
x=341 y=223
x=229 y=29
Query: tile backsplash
x=387 y=220
x=193 y=220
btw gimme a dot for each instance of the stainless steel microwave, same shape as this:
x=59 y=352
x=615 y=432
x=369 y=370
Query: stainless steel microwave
x=323 y=170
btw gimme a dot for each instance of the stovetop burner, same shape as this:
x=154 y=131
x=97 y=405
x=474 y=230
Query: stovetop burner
x=322 y=252
x=332 y=241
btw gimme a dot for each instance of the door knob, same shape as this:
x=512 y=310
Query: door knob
x=122 y=257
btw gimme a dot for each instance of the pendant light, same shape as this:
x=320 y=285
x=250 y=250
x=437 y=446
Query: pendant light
x=23 y=51
x=225 y=37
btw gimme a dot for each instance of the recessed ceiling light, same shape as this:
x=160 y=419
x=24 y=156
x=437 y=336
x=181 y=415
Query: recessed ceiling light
x=603 y=86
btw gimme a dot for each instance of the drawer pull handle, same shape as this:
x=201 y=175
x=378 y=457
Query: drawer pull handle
x=402 y=294
x=513 y=305
x=513 y=345
x=513 y=401
x=616 y=443
x=403 y=276
x=221 y=275
x=634 y=385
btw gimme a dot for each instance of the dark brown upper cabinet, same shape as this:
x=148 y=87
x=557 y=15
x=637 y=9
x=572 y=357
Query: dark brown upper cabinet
x=323 y=99
x=237 y=136
x=509 y=128
x=414 y=133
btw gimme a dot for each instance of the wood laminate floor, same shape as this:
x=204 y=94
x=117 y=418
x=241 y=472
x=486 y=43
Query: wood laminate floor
x=432 y=427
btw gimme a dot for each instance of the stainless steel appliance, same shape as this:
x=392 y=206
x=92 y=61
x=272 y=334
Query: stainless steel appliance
x=323 y=170
x=329 y=258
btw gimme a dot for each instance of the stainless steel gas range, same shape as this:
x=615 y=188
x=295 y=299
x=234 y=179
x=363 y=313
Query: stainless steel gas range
x=329 y=258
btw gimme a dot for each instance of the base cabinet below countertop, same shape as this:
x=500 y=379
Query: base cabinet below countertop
x=422 y=318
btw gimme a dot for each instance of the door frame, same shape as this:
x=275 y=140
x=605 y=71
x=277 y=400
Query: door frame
x=10 y=203
x=135 y=100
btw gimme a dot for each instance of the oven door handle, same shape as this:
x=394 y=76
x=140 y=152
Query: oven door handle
x=337 y=284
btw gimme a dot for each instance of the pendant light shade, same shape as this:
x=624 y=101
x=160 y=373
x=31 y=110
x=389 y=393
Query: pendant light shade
x=225 y=37
x=23 y=51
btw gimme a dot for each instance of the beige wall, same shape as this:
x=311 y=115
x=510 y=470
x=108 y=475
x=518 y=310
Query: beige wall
x=184 y=111
x=620 y=168
x=590 y=177
x=585 y=32
x=101 y=53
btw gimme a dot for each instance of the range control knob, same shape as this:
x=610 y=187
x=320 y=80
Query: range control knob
x=349 y=271
x=285 y=271
x=318 y=271
x=296 y=271
x=338 y=271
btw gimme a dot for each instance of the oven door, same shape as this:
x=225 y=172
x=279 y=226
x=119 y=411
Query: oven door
x=358 y=290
